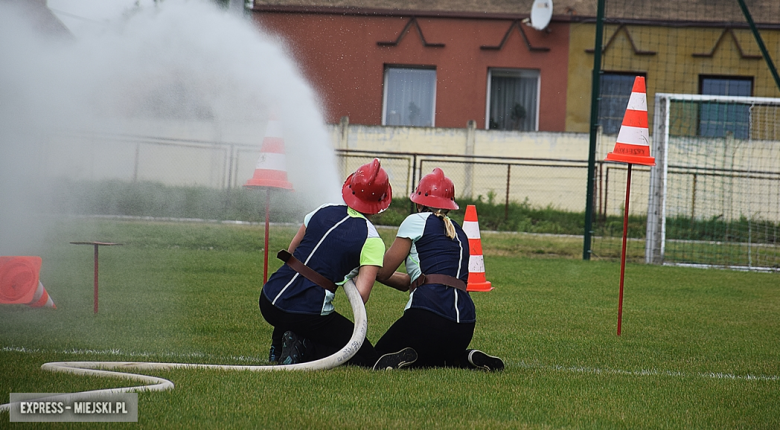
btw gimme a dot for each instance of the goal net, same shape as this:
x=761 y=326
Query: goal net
x=714 y=195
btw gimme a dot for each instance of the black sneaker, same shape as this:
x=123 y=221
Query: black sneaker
x=396 y=360
x=273 y=354
x=293 y=349
x=276 y=348
x=480 y=360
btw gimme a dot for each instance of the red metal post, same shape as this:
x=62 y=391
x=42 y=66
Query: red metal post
x=265 y=246
x=96 y=278
x=623 y=255
x=96 y=245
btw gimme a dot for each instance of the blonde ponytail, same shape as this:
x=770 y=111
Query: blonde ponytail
x=449 y=229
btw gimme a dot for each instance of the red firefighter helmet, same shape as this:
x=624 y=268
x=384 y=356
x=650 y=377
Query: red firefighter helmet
x=368 y=190
x=435 y=191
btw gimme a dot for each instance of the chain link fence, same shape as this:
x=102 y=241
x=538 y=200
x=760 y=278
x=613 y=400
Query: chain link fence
x=533 y=182
x=530 y=183
x=173 y=162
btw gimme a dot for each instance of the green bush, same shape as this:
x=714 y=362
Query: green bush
x=151 y=199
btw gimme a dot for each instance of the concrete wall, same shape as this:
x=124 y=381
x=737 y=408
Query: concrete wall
x=554 y=170
x=455 y=141
x=540 y=168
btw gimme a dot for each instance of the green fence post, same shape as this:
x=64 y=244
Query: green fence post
x=594 y=123
x=760 y=42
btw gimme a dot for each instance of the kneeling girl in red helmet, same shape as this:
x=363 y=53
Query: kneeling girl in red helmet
x=335 y=243
x=439 y=318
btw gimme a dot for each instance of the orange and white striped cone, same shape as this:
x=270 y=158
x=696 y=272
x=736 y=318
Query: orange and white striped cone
x=271 y=167
x=477 y=280
x=42 y=298
x=633 y=141
x=20 y=283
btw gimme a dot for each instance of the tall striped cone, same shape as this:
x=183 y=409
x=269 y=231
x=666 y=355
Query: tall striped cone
x=271 y=168
x=20 y=283
x=477 y=280
x=633 y=141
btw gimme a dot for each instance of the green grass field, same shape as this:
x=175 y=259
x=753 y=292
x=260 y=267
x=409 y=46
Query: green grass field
x=699 y=348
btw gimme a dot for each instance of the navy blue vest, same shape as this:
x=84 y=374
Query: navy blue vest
x=433 y=252
x=332 y=247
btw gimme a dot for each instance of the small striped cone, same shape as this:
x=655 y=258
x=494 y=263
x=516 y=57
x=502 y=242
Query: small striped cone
x=271 y=168
x=42 y=298
x=633 y=141
x=20 y=283
x=477 y=281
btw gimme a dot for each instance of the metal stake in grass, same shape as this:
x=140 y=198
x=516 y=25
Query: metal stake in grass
x=623 y=252
x=632 y=147
x=270 y=172
x=267 y=224
x=96 y=244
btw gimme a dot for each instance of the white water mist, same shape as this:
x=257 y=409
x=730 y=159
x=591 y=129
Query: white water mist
x=174 y=70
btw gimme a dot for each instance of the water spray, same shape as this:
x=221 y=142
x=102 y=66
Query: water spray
x=156 y=72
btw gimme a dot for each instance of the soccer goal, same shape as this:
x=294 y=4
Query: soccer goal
x=714 y=195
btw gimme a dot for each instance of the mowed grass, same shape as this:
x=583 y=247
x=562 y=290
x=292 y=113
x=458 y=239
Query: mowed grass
x=698 y=349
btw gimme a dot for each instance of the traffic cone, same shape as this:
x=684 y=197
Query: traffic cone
x=20 y=283
x=42 y=298
x=633 y=141
x=477 y=281
x=271 y=168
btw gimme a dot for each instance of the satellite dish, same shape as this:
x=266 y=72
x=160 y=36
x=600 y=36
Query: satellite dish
x=541 y=13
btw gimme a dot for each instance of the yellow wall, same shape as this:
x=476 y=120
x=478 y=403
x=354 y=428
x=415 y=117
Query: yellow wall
x=673 y=69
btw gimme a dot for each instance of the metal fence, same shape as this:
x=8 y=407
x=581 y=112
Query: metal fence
x=539 y=182
x=536 y=182
x=179 y=162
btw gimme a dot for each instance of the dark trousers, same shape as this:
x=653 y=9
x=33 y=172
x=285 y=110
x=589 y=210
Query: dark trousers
x=326 y=333
x=438 y=341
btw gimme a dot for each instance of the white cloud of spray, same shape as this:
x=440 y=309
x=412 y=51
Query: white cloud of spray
x=178 y=69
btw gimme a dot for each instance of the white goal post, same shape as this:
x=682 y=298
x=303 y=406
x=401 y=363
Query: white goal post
x=714 y=197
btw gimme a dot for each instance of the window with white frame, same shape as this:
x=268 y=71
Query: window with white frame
x=410 y=96
x=715 y=119
x=513 y=102
x=615 y=90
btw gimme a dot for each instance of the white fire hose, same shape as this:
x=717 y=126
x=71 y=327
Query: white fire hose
x=152 y=383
